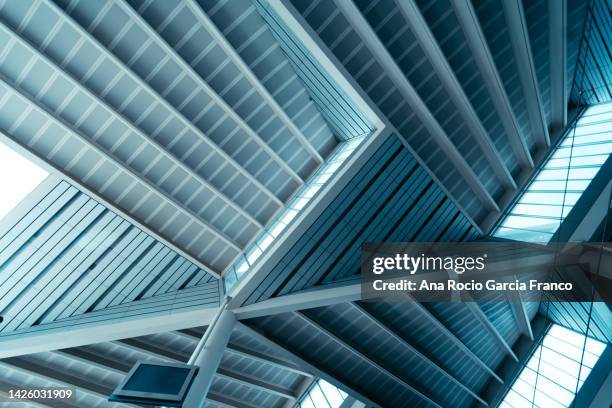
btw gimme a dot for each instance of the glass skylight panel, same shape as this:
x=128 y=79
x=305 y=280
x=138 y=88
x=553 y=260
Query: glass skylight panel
x=20 y=177
x=294 y=207
x=567 y=173
x=551 y=376
x=322 y=395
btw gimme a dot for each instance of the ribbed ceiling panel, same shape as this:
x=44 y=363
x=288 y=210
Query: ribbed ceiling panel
x=67 y=256
x=178 y=128
x=391 y=198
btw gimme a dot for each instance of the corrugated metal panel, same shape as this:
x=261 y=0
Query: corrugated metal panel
x=459 y=320
x=405 y=319
x=355 y=328
x=390 y=199
x=67 y=256
x=341 y=113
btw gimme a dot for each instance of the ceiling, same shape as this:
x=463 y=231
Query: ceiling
x=176 y=131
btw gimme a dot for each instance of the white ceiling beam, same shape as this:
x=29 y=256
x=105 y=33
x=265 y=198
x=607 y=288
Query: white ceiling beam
x=62 y=174
x=367 y=359
x=557 y=35
x=520 y=314
x=377 y=48
x=75 y=334
x=206 y=22
x=301 y=300
x=176 y=161
x=160 y=100
x=69 y=129
x=476 y=40
x=188 y=69
x=451 y=84
x=519 y=37
x=499 y=339
x=261 y=338
x=386 y=329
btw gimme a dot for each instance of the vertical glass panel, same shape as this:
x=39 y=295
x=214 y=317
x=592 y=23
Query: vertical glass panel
x=567 y=173
x=551 y=376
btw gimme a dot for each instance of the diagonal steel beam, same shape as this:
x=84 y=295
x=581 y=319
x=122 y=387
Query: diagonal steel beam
x=520 y=315
x=161 y=42
x=383 y=327
x=377 y=48
x=451 y=84
x=255 y=383
x=363 y=357
x=160 y=100
x=476 y=40
x=434 y=321
x=517 y=26
x=557 y=35
x=479 y=314
x=251 y=354
x=250 y=76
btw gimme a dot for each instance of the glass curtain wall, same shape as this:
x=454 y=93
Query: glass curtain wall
x=565 y=175
x=556 y=371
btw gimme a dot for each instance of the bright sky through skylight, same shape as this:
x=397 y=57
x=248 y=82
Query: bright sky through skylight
x=550 y=378
x=323 y=395
x=19 y=177
x=559 y=184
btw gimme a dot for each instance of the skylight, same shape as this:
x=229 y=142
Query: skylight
x=19 y=177
x=293 y=208
x=322 y=395
x=556 y=371
x=561 y=181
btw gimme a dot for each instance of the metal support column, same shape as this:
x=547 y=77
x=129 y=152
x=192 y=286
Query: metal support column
x=207 y=356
